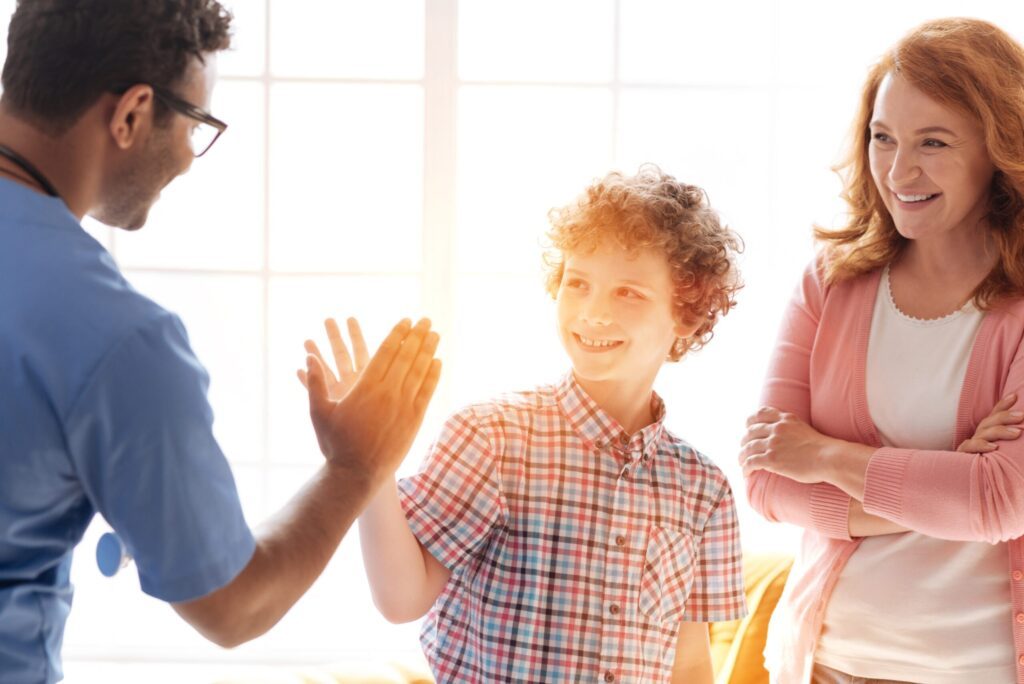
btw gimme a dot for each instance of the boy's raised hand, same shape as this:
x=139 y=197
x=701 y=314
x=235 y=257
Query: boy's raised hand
x=1000 y=424
x=370 y=426
x=338 y=386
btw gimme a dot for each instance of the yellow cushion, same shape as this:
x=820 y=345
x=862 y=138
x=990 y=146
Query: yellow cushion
x=736 y=646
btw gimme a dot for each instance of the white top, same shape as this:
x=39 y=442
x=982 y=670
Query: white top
x=906 y=606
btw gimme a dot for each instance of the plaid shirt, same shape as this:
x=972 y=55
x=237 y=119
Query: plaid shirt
x=575 y=550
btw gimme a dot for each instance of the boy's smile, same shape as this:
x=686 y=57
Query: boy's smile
x=595 y=345
x=615 y=319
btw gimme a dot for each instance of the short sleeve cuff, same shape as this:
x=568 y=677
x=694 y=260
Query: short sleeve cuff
x=423 y=525
x=208 y=577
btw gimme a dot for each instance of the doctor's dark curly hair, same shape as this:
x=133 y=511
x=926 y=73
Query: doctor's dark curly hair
x=652 y=210
x=63 y=55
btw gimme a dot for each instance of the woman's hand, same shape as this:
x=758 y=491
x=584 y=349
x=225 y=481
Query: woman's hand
x=348 y=372
x=783 y=444
x=998 y=425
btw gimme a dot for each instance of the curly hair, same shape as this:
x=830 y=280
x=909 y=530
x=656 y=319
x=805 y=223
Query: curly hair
x=973 y=68
x=652 y=210
x=64 y=54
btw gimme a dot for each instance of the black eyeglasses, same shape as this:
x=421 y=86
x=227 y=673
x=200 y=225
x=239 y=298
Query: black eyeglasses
x=208 y=127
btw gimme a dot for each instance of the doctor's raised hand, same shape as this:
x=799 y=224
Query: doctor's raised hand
x=367 y=414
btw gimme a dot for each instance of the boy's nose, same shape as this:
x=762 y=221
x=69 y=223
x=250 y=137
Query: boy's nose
x=596 y=317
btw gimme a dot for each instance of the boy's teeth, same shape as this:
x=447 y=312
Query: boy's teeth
x=596 y=343
x=913 y=198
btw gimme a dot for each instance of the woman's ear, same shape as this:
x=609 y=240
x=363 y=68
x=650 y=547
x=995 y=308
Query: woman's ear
x=133 y=116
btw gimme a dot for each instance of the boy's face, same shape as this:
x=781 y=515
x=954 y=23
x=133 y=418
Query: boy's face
x=615 y=313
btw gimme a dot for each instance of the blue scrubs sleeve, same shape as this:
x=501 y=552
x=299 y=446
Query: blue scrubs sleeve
x=140 y=436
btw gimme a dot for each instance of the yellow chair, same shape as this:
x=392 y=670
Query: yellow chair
x=736 y=646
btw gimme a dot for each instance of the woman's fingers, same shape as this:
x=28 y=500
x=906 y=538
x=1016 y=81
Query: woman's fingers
x=766 y=414
x=995 y=433
x=756 y=431
x=976 y=445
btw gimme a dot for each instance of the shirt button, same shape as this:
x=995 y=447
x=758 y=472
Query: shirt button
x=620 y=541
x=1020 y=661
x=1020 y=618
x=610 y=676
x=623 y=439
x=613 y=609
x=1017 y=575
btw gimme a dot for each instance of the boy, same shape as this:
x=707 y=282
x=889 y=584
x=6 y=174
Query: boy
x=564 y=534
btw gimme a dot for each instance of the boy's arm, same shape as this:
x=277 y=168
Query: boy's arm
x=405 y=579
x=693 y=655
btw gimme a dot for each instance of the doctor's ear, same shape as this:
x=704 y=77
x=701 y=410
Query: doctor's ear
x=133 y=114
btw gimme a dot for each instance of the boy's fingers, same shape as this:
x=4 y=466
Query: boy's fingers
x=377 y=367
x=315 y=387
x=314 y=350
x=302 y=377
x=355 y=333
x=341 y=356
x=420 y=364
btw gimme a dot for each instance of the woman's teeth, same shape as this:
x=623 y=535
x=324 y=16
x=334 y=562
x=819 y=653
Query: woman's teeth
x=914 y=198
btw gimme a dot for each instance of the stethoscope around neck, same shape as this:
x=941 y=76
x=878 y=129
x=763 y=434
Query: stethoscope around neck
x=29 y=168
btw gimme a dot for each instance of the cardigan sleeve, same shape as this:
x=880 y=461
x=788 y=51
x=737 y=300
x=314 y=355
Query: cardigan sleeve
x=822 y=508
x=950 y=494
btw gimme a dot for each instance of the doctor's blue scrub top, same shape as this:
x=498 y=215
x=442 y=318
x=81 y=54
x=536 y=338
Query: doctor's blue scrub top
x=103 y=409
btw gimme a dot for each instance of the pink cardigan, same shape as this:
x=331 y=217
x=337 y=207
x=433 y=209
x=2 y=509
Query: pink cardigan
x=817 y=372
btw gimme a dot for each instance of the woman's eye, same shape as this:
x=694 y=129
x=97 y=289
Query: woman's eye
x=881 y=137
x=630 y=294
x=574 y=283
x=932 y=142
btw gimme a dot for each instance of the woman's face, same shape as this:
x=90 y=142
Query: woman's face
x=929 y=163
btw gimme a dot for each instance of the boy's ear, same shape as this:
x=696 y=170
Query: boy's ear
x=685 y=329
x=132 y=117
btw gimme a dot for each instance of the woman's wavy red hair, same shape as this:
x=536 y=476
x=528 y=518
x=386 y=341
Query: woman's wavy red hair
x=977 y=70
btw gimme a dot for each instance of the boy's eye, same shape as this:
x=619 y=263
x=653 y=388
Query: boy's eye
x=628 y=293
x=575 y=283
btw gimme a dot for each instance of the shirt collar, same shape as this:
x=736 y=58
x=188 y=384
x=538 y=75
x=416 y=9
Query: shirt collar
x=602 y=431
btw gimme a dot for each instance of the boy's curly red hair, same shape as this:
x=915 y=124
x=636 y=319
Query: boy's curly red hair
x=652 y=210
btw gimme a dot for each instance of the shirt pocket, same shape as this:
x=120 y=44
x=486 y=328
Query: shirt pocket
x=667 y=576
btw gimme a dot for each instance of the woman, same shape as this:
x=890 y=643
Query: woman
x=905 y=337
